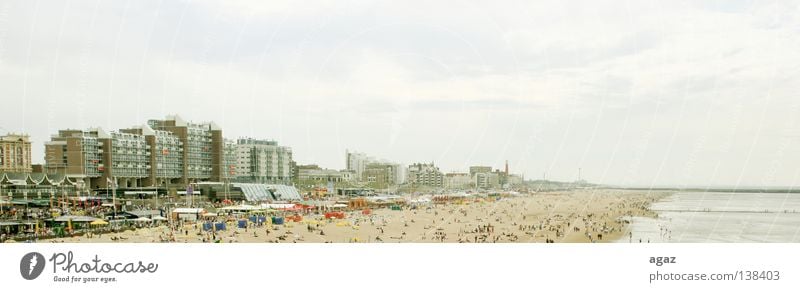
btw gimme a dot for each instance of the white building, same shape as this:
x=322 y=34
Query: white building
x=263 y=161
x=357 y=162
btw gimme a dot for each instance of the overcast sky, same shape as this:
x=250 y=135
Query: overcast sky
x=632 y=92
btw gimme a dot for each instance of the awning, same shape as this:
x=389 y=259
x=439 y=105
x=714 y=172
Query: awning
x=84 y=219
x=99 y=222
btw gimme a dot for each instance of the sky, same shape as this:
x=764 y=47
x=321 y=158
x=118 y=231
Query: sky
x=645 y=93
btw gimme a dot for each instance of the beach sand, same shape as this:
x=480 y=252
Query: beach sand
x=580 y=216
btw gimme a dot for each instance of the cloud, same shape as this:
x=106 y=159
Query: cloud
x=551 y=84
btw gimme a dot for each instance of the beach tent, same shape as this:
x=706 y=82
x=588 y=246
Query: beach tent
x=207 y=226
x=258 y=219
x=242 y=223
x=337 y=215
x=219 y=226
x=277 y=220
x=277 y=206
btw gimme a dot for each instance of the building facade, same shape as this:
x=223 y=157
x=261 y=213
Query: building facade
x=229 y=161
x=487 y=180
x=316 y=174
x=479 y=169
x=127 y=159
x=380 y=175
x=357 y=162
x=425 y=174
x=15 y=153
x=263 y=161
x=165 y=156
x=137 y=157
x=458 y=181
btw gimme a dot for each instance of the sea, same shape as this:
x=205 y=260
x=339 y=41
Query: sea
x=710 y=217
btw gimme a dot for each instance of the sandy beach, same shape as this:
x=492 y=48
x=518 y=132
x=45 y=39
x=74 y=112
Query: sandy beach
x=580 y=216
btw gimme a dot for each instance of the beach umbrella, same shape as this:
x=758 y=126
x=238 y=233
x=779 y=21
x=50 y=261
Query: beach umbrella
x=99 y=222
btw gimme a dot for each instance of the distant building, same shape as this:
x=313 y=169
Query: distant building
x=313 y=173
x=486 y=180
x=15 y=153
x=348 y=175
x=400 y=173
x=165 y=156
x=514 y=180
x=126 y=158
x=380 y=175
x=357 y=162
x=458 y=181
x=479 y=169
x=263 y=161
x=423 y=174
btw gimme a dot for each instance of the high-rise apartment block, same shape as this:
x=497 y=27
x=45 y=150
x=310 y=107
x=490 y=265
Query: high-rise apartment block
x=161 y=153
x=76 y=154
x=202 y=147
x=263 y=161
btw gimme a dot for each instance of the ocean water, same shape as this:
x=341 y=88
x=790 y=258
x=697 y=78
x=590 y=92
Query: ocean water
x=698 y=217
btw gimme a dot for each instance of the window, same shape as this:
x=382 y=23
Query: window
x=2 y=155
